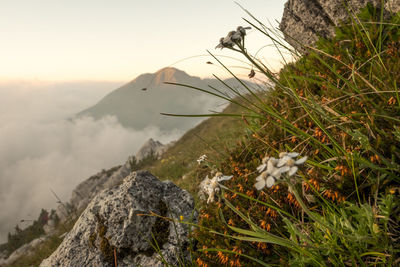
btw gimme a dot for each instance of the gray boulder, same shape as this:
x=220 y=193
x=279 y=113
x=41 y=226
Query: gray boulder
x=116 y=220
x=304 y=21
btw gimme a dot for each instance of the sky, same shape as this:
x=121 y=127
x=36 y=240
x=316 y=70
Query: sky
x=60 y=57
x=118 y=40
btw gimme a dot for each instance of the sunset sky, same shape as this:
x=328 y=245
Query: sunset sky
x=118 y=40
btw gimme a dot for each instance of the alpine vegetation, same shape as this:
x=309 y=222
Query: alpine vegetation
x=331 y=197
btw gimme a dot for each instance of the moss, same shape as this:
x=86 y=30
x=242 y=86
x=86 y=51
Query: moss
x=107 y=250
x=160 y=228
x=92 y=240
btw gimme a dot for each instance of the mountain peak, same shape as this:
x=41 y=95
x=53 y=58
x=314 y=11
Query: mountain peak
x=168 y=74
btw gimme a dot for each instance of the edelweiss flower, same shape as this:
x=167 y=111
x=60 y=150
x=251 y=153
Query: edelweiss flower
x=264 y=164
x=201 y=159
x=242 y=30
x=232 y=38
x=287 y=161
x=271 y=169
x=269 y=176
x=211 y=186
x=227 y=41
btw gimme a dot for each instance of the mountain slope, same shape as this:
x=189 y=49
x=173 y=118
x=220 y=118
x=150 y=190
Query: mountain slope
x=138 y=104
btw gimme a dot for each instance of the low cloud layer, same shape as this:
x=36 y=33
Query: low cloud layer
x=41 y=148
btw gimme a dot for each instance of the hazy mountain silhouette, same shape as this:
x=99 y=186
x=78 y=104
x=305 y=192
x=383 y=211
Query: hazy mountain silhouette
x=138 y=104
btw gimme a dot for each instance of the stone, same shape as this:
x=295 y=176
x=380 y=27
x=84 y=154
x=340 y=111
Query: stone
x=118 y=219
x=305 y=21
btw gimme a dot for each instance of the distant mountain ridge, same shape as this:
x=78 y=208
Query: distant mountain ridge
x=138 y=104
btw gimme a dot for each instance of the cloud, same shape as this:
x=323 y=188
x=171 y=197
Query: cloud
x=41 y=148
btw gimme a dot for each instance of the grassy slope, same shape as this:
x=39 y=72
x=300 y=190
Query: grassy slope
x=211 y=137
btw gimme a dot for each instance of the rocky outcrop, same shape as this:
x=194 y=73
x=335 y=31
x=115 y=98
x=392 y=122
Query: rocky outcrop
x=304 y=21
x=151 y=146
x=88 y=189
x=117 y=221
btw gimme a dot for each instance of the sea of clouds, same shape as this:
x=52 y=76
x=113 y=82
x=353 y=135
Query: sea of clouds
x=43 y=149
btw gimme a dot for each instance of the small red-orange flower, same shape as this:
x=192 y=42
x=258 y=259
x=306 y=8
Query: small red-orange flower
x=343 y=170
x=237 y=250
x=222 y=258
x=201 y=263
x=240 y=187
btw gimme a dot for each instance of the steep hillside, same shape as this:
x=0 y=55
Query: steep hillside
x=212 y=137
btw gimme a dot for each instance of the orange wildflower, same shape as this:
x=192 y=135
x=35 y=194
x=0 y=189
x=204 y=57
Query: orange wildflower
x=240 y=187
x=343 y=170
x=392 y=101
x=222 y=258
x=272 y=213
x=250 y=193
x=201 y=263
x=237 y=250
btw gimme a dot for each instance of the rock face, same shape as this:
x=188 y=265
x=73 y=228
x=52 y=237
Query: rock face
x=149 y=147
x=115 y=221
x=304 y=21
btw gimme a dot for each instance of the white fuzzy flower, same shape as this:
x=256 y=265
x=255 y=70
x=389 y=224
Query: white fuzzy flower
x=201 y=159
x=232 y=38
x=288 y=162
x=272 y=169
x=242 y=30
x=211 y=186
x=263 y=165
x=226 y=41
x=269 y=176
